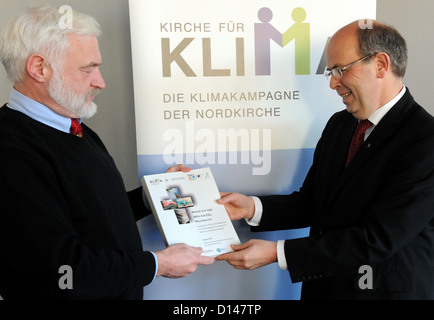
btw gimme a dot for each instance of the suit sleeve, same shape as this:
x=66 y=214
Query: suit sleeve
x=399 y=219
x=294 y=210
x=286 y=211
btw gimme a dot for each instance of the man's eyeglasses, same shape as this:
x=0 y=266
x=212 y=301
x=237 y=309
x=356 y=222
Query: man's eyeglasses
x=338 y=72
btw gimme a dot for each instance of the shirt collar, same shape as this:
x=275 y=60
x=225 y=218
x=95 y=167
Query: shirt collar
x=381 y=112
x=38 y=111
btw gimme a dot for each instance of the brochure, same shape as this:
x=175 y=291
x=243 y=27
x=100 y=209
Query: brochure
x=185 y=209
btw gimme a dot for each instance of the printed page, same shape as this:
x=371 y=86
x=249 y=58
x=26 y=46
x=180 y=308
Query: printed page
x=185 y=208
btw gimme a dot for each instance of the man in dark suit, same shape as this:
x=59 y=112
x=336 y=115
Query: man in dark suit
x=371 y=211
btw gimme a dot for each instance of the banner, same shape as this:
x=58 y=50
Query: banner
x=237 y=86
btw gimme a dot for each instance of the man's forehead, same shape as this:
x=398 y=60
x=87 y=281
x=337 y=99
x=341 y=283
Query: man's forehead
x=344 y=43
x=83 y=41
x=345 y=36
x=81 y=37
x=84 y=46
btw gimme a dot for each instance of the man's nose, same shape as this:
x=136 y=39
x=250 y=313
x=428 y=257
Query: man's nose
x=334 y=82
x=98 y=81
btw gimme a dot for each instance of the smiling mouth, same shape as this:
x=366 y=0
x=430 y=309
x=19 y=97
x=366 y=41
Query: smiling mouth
x=346 y=94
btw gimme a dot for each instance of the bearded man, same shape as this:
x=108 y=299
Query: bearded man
x=63 y=202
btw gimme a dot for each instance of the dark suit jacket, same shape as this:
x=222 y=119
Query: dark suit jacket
x=377 y=212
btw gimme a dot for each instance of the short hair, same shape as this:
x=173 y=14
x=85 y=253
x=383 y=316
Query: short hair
x=38 y=31
x=380 y=37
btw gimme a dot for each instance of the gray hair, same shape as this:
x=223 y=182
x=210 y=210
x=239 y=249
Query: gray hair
x=384 y=38
x=38 y=31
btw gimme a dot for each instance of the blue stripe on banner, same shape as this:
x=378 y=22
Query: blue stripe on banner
x=287 y=170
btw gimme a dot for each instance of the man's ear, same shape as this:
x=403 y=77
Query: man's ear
x=382 y=60
x=38 y=68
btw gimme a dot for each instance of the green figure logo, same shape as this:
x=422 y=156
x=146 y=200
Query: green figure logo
x=300 y=33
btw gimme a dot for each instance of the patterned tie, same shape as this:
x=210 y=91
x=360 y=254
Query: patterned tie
x=358 y=139
x=76 y=129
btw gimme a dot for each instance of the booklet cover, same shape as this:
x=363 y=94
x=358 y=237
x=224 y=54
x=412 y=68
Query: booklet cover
x=185 y=208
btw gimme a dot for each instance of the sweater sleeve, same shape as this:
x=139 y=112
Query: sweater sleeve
x=138 y=203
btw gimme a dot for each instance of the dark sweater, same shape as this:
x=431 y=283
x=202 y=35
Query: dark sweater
x=63 y=202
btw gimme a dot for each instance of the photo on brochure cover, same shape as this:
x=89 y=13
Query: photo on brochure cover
x=178 y=204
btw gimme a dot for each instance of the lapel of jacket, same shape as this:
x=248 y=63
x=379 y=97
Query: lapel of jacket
x=339 y=150
x=387 y=127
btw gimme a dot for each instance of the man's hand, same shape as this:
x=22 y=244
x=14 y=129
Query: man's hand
x=237 y=205
x=179 y=260
x=179 y=167
x=251 y=255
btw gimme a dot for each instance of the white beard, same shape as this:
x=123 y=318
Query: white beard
x=67 y=98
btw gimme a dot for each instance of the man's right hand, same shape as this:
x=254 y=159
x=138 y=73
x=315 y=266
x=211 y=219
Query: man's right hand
x=179 y=260
x=237 y=205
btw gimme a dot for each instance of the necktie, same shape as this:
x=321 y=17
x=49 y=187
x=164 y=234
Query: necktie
x=76 y=129
x=357 y=139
